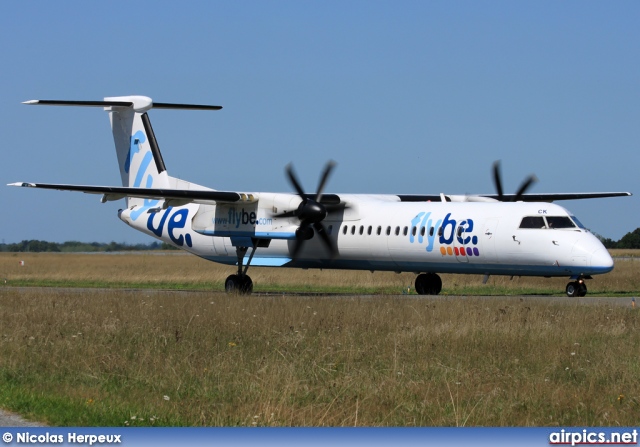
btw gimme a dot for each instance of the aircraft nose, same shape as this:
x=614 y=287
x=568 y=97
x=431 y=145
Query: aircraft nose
x=602 y=260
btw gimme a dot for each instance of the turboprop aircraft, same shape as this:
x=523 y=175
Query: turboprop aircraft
x=496 y=234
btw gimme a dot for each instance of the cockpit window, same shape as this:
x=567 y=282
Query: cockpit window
x=532 y=222
x=560 y=222
x=578 y=223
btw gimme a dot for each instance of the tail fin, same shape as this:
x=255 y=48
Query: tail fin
x=139 y=158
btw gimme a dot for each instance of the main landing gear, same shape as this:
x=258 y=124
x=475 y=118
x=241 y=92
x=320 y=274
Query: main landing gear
x=241 y=283
x=576 y=288
x=428 y=284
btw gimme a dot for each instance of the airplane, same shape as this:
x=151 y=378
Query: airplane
x=490 y=234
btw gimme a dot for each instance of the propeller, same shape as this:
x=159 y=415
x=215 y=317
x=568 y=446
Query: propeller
x=311 y=212
x=524 y=186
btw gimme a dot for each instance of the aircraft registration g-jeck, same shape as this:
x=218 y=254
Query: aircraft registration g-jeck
x=497 y=234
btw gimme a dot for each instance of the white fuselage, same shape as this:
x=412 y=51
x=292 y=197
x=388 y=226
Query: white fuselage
x=379 y=232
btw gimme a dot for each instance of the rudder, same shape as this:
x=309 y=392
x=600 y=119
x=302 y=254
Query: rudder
x=139 y=158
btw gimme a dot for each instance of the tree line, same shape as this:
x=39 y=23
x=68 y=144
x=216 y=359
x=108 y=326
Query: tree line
x=629 y=240
x=84 y=247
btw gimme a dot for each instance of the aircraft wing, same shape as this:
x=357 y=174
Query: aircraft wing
x=552 y=197
x=544 y=197
x=178 y=196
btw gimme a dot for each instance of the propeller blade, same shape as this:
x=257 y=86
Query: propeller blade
x=297 y=246
x=323 y=179
x=294 y=181
x=497 y=180
x=293 y=213
x=322 y=232
x=525 y=185
x=336 y=208
x=311 y=212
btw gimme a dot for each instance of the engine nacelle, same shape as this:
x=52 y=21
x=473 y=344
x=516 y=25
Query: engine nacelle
x=305 y=233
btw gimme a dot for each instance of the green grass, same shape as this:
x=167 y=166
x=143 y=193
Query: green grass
x=179 y=271
x=109 y=358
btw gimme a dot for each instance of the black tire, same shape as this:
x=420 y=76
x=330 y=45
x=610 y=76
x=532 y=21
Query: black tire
x=246 y=286
x=428 y=284
x=435 y=285
x=420 y=285
x=572 y=289
x=232 y=284
x=237 y=284
x=582 y=289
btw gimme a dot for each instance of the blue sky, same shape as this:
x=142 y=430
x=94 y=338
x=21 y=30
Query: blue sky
x=407 y=97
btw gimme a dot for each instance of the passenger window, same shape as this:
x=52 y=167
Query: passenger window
x=361 y=230
x=431 y=230
x=560 y=222
x=369 y=230
x=379 y=230
x=532 y=222
x=344 y=230
x=353 y=229
x=414 y=231
x=405 y=231
x=397 y=231
x=388 y=231
x=422 y=230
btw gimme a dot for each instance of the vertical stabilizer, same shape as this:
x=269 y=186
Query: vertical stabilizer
x=139 y=158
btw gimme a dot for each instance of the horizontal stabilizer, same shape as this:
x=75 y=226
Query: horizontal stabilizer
x=139 y=103
x=55 y=102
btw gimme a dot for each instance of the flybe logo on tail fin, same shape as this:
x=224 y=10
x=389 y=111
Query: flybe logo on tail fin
x=134 y=148
x=454 y=238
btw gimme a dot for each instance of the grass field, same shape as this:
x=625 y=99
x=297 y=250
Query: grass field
x=116 y=357
x=179 y=270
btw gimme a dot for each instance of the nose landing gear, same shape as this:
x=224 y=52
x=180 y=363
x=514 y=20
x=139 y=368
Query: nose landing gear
x=576 y=288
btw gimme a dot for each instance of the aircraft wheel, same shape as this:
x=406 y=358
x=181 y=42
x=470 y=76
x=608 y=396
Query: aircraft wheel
x=572 y=289
x=237 y=284
x=435 y=285
x=420 y=284
x=246 y=286
x=428 y=284
x=232 y=284
x=582 y=289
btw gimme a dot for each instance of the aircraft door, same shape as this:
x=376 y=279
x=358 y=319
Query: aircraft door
x=488 y=238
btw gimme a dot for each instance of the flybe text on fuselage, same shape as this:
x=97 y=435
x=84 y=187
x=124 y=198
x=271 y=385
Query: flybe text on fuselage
x=455 y=236
x=177 y=221
x=239 y=217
